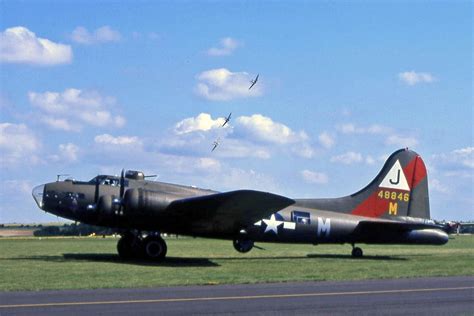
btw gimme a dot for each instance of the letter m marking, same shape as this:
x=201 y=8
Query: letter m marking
x=324 y=227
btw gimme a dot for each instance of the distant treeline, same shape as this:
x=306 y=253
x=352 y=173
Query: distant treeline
x=72 y=230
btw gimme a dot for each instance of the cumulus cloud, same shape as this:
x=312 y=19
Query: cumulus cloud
x=68 y=153
x=412 y=78
x=348 y=158
x=72 y=109
x=202 y=122
x=326 y=140
x=224 y=85
x=22 y=46
x=18 y=144
x=226 y=47
x=314 y=177
x=103 y=34
x=246 y=136
x=350 y=128
x=456 y=162
x=108 y=139
x=261 y=128
x=401 y=141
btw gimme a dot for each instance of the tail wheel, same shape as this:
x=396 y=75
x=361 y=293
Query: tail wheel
x=243 y=245
x=154 y=248
x=357 y=252
x=129 y=246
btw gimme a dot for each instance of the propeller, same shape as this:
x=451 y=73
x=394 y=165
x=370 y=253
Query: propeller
x=120 y=201
x=96 y=192
x=122 y=184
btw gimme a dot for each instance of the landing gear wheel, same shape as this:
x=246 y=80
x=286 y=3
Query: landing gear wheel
x=129 y=246
x=154 y=248
x=243 y=245
x=357 y=252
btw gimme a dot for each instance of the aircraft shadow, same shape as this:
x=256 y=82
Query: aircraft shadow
x=167 y=262
x=112 y=258
x=349 y=257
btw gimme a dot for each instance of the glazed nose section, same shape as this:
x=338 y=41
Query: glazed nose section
x=38 y=193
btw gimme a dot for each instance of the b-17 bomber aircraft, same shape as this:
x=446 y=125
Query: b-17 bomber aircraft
x=392 y=209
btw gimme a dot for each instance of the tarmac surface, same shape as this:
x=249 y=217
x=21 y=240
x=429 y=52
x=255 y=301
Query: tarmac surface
x=420 y=296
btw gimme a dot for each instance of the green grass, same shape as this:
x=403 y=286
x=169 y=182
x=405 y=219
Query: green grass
x=81 y=263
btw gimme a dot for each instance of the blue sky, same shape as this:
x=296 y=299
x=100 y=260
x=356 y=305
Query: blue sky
x=92 y=88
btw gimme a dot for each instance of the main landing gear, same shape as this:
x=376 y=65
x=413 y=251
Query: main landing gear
x=357 y=252
x=134 y=246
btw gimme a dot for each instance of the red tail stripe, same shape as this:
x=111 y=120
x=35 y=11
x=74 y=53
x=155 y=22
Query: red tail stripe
x=375 y=207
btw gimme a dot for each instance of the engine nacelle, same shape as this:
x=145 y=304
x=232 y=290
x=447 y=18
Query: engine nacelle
x=145 y=201
x=108 y=206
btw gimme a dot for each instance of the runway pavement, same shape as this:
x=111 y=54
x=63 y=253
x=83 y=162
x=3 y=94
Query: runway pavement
x=420 y=296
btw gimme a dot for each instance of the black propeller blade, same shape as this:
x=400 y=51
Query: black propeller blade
x=122 y=184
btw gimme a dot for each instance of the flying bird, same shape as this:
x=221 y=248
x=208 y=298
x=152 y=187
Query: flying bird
x=227 y=119
x=216 y=143
x=253 y=82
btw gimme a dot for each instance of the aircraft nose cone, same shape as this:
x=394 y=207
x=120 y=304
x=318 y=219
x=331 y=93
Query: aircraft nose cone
x=38 y=195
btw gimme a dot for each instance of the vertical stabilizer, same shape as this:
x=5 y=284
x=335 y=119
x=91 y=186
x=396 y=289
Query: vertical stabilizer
x=400 y=189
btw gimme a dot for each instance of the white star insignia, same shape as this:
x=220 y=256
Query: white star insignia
x=272 y=224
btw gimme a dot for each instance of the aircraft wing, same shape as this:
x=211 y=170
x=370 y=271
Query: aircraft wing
x=229 y=210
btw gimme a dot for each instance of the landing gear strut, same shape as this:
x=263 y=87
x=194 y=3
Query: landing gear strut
x=134 y=246
x=357 y=252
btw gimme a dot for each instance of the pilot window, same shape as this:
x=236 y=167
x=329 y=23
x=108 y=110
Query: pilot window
x=110 y=181
x=300 y=217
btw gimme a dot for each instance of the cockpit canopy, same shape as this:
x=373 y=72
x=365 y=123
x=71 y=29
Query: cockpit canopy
x=106 y=180
x=115 y=181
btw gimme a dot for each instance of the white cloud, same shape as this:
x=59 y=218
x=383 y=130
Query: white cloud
x=66 y=153
x=436 y=185
x=350 y=128
x=314 y=177
x=465 y=156
x=202 y=122
x=103 y=34
x=18 y=144
x=69 y=151
x=108 y=139
x=246 y=136
x=326 y=140
x=412 y=78
x=72 y=109
x=20 y=45
x=235 y=178
x=347 y=158
x=303 y=150
x=401 y=141
x=224 y=85
x=457 y=162
x=261 y=128
x=226 y=47
x=369 y=160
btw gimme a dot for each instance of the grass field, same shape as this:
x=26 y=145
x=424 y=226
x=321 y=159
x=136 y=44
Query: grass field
x=73 y=263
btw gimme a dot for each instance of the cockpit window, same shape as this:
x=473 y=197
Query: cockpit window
x=106 y=180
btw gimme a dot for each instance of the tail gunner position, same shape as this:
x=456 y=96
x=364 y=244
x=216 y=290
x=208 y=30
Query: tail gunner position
x=392 y=209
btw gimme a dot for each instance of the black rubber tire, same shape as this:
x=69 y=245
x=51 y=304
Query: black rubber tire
x=154 y=248
x=125 y=247
x=243 y=245
x=357 y=252
x=130 y=247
